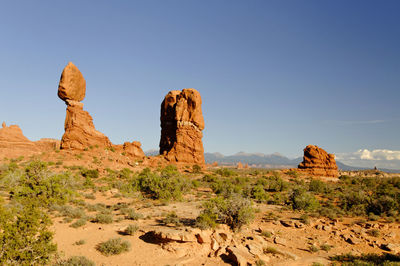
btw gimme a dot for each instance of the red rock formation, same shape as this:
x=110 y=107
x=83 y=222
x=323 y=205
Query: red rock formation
x=80 y=132
x=318 y=162
x=239 y=165
x=181 y=127
x=13 y=143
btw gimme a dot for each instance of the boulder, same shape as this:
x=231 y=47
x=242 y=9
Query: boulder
x=318 y=162
x=72 y=85
x=181 y=127
x=134 y=149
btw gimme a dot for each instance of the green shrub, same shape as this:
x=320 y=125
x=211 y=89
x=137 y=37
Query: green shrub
x=131 y=214
x=90 y=173
x=169 y=185
x=131 y=229
x=80 y=242
x=78 y=223
x=76 y=261
x=103 y=218
x=196 y=169
x=273 y=183
x=226 y=172
x=302 y=200
x=24 y=236
x=316 y=186
x=113 y=246
x=234 y=211
x=259 y=194
x=43 y=187
x=172 y=218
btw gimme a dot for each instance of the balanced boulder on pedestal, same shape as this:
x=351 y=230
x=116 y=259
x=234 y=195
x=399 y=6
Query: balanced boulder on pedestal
x=80 y=132
x=181 y=127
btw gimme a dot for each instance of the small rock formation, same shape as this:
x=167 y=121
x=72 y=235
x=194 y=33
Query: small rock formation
x=318 y=162
x=181 y=127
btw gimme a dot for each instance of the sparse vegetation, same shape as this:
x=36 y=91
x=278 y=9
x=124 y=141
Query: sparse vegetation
x=76 y=261
x=131 y=229
x=113 y=246
x=234 y=211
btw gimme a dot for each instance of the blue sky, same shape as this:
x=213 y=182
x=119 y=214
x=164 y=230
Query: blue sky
x=274 y=75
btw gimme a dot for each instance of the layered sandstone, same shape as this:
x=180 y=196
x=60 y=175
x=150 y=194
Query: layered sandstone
x=13 y=143
x=182 y=123
x=80 y=132
x=318 y=162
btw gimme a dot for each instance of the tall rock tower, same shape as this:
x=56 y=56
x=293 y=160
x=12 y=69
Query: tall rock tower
x=182 y=123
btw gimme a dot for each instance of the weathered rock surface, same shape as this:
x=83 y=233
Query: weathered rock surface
x=13 y=143
x=133 y=149
x=12 y=138
x=318 y=162
x=181 y=127
x=80 y=132
x=72 y=85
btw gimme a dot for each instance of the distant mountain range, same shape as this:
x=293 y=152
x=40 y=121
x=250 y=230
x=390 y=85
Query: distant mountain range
x=260 y=160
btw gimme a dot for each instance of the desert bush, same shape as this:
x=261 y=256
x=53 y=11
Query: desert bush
x=131 y=214
x=39 y=185
x=259 y=194
x=103 y=218
x=210 y=178
x=113 y=246
x=91 y=173
x=316 y=186
x=24 y=236
x=293 y=173
x=196 y=169
x=172 y=218
x=302 y=200
x=80 y=242
x=78 y=223
x=131 y=229
x=273 y=183
x=76 y=261
x=234 y=211
x=169 y=185
x=226 y=172
x=385 y=259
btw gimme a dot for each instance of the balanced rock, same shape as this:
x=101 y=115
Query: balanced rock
x=181 y=127
x=72 y=85
x=80 y=132
x=318 y=162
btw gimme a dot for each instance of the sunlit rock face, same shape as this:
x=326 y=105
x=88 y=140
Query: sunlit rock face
x=182 y=123
x=318 y=162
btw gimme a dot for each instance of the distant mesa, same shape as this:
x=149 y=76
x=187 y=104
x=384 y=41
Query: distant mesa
x=182 y=123
x=318 y=162
x=80 y=132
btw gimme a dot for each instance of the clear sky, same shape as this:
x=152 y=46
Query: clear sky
x=274 y=75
